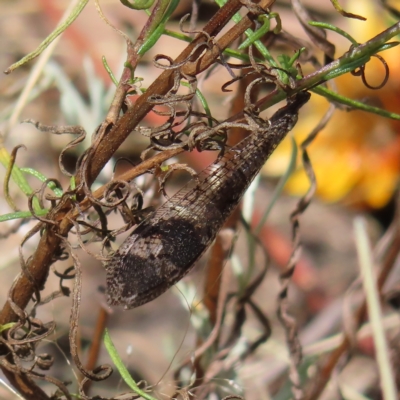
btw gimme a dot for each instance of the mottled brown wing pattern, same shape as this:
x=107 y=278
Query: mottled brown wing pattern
x=167 y=244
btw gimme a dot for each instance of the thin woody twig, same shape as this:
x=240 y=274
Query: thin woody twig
x=50 y=242
x=97 y=341
x=199 y=55
x=161 y=85
x=101 y=152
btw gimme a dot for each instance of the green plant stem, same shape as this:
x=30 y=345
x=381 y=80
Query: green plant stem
x=250 y=34
x=156 y=24
x=354 y=104
x=352 y=59
x=259 y=33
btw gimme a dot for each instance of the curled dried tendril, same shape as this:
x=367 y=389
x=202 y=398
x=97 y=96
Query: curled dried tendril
x=251 y=111
x=66 y=275
x=40 y=361
x=271 y=74
x=244 y=74
x=44 y=361
x=165 y=137
x=137 y=198
x=172 y=168
x=111 y=199
x=90 y=227
x=193 y=31
x=55 y=184
x=103 y=371
x=116 y=196
x=197 y=135
x=189 y=58
x=61 y=130
x=361 y=72
x=132 y=214
x=34 y=213
x=82 y=244
x=20 y=345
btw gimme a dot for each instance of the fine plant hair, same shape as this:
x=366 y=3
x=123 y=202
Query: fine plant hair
x=265 y=64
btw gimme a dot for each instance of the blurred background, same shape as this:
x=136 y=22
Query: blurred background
x=356 y=162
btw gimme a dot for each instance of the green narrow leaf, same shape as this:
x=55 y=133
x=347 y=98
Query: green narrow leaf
x=18 y=177
x=21 y=215
x=138 y=4
x=60 y=29
x=51 y=185
x=116 y=359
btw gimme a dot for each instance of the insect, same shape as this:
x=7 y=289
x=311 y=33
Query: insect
x=164 y=247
